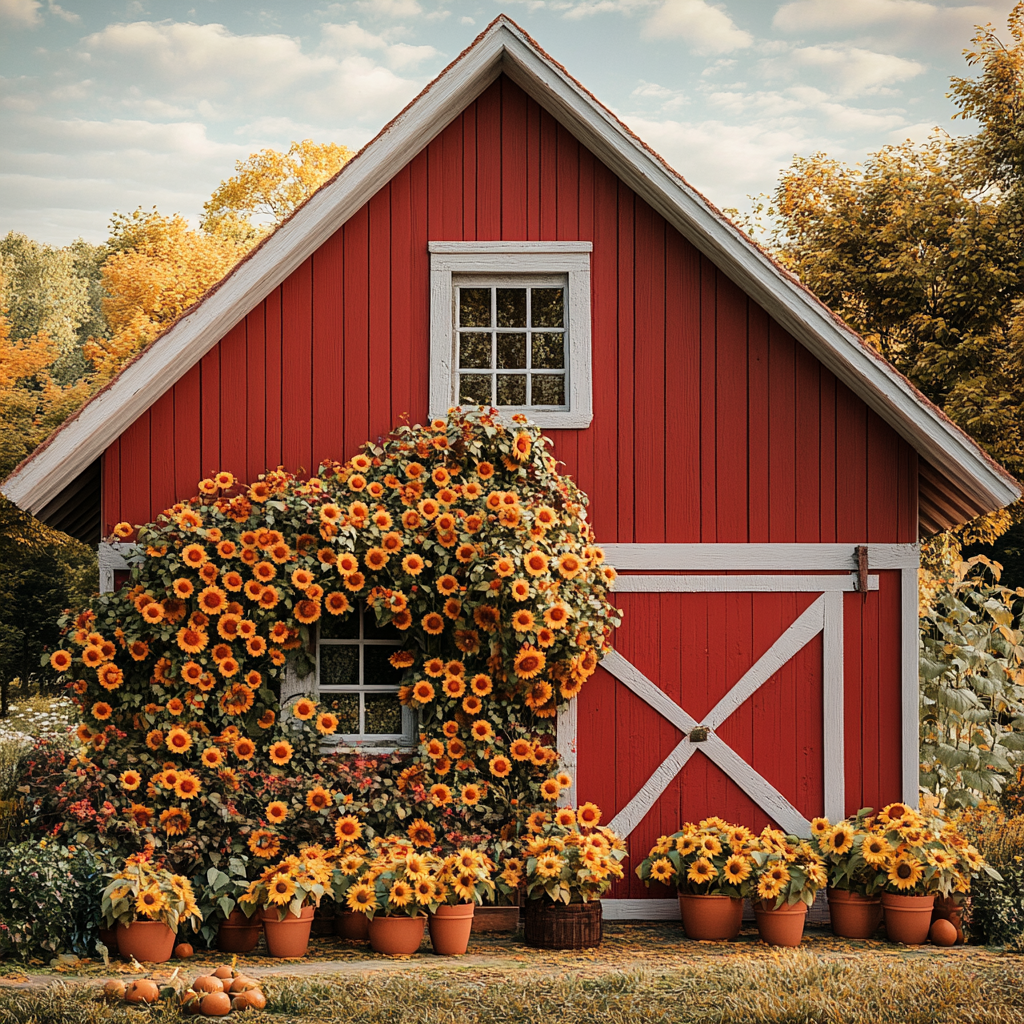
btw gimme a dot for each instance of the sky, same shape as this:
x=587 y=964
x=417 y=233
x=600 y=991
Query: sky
x=108 y=106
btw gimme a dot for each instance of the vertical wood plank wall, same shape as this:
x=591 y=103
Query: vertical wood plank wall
x=711 y=425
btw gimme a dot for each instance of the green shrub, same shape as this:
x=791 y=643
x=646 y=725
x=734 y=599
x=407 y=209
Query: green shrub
x=49 y=900
x=996 y=913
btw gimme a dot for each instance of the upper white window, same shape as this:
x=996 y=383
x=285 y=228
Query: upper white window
x=510 y=328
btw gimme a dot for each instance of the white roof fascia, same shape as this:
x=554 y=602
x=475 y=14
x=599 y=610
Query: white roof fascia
x=505 y=48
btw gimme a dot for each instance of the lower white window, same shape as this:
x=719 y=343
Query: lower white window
x=358 y=684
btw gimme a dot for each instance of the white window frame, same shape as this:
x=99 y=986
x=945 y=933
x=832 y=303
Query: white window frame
x=504 y=263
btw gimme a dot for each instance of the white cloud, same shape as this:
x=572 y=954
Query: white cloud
x=705 y=28
x=55 y=8
x=390 y=8
x=831 y=15
x=21 y=12
x=844 y=70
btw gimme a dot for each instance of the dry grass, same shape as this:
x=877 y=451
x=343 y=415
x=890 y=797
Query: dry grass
x=794 y=986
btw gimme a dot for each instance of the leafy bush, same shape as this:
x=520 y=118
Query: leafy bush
x=49 y=900
x=972 y=684
x=996 y=915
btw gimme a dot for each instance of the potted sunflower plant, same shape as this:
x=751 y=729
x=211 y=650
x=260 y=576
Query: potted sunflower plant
x=787 y=876
x=917 y=859
x=396 y=893
x=287 y=893
x=854 y=891
x=228 y=924
x=570 y=862
x=464 y=883
x=147 y=905
x=710 y=865
x=348 y=868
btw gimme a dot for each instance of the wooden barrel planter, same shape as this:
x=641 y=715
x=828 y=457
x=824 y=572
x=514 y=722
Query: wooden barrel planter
x=558 y=926
x=496 y=919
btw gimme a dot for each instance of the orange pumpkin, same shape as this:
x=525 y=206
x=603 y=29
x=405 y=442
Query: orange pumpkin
x=224 y=971
x=115 y=989
x=243 y=984
x=216 y=1004
x=183 y=950
x=207 y=983
x=251 y=999
x=142 y=990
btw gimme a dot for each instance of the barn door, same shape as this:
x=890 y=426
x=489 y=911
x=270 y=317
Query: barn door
x=814 y=581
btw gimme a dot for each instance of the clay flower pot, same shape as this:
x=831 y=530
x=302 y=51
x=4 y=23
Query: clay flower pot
x=238 y=933
x=147 y=941
x=398 y=935
x=450 y=927
x=350 y=925
x=710 y=918
x=908 y=919
x=290 y=937
x=854 y=916
x=783 y=926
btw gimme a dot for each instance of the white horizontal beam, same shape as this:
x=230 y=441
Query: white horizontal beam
x=640 y=910
x=453 y=248
x=739 y=584
x=757 y=557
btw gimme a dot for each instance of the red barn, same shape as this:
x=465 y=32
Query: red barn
x=758 y=474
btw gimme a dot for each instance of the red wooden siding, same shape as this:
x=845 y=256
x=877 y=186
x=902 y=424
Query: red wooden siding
x=711 y=425
x=722 y=427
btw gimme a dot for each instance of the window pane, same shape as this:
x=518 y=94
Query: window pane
x=511 y=389
x=346 y=707
x=546 y=307
x=474 y=307
x=475 y=388
x=512 y=351
x=547 y=351
x=383 y=714
x=339 y=627
x=511 y=307
x=339 y=665
x=377 y=670
x=371 y=631
x=475 y=351
x=547 y=389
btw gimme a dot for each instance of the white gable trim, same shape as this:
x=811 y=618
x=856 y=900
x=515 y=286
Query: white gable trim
x=505 y=48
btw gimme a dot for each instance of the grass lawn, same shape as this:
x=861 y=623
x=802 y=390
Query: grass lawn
x=642 y=973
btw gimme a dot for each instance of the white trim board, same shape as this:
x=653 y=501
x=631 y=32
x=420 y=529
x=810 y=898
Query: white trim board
x=504 y=47
x=776 y=584
x=758 y=557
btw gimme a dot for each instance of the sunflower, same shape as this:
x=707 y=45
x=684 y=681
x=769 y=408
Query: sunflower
x=101 y=711
x=179 y=740
x=319 y=799
x=481 y=684
x=767 y=889
x=280 y=890
x=876 y=850
x=130 y=780
x=839 y=840
x=565 y=817
x=212 y=757
x=820 y=826
x=550 y=865
x=420 y=833
x=471 y=795
x=277 y=811
x=154 y=739
x=150 y=901
x=897 y=813
x=569 y=565
x=304 y=709
x=412 y=564
x=347 y=829
x=361 y=898
x=191 y=640
x=905 y=872
x=482 y=730
x=500 y=766
x=557 y=616
x=188 y=786
x=110 y=677
x=522 y=620
x=194 y=555
x=440 y=795
x=529 y=662
x=736 y=869
x=326 y=723
x=400 y=893
x=701 y=871
x=244 y=748
x=521 y=750
x=454 y=686
x=549 y=789
x=662 y=870
x=139 y=650
x=487 y=617
x=456 y=748
x=432 y=623
x=281 y=752
x=175 y=821
x=589 y=815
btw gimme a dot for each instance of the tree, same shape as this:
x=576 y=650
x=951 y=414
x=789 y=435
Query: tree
x=270 y=184
x=921 y=250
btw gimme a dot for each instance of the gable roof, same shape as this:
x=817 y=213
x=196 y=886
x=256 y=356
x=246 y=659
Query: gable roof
x=958 y=480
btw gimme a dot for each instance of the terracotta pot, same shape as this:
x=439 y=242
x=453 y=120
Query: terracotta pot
x=238 y=933
x=396 y=935
x=450 y=928
x=350 y=925
x=710 y=918
x=560 y=926
x=908 y=919
x=947 y=909
x=781 y=927
x=495 y=919
x=290 y=937
x=147 y=941
x=854 y=916
x=108 y=936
